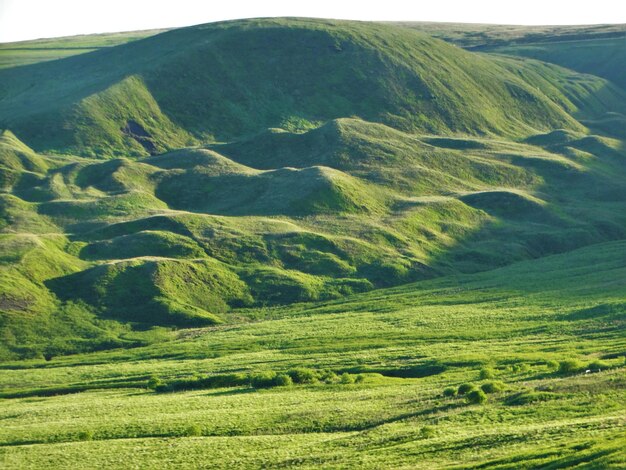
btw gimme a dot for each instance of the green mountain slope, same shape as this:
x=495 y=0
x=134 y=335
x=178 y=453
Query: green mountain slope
x=329 y=159
x=207 y=82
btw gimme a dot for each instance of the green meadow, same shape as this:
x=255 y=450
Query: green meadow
x=304 y=243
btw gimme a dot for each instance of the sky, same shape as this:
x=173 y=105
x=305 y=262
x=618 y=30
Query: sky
x=31 y=19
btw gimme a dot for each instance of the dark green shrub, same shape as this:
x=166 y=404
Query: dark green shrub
x=303 y=376
x=449 y=392
x=359 y=379
x=154 y=383
x=526 y=398
x=346 y=378
x=466 y=388
x=520 y=367
x=263 y=379
x=476 y=396
x=328 y=376
x=192 y=431
x=570 y=366
x=85 y=436
x=282 y=380
x=486 y=373
x=427 y=432
x=492 y=386
x=597 y=366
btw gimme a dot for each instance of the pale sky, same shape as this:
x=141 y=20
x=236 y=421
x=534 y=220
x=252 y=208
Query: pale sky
x=30 y=19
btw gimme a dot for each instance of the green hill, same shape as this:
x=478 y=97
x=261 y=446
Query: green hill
x=206 y=83
x=312 y=243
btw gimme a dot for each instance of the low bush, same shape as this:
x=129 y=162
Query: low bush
x=552 y=365
x=520 y=367
x=486 y=373
x=570 y=366
x=154 y=382
x=526 y=398
x=263 y=379
x=476 y=396
x=597 y=366
x=449 y=392
x=85 y=436
x=466 y=388
x=303 y=376
x=328 y=376
x=283 y=380
x=192 y=431
x=493 y=386
x=346 y=378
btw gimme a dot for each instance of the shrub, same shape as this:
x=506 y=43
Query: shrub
x=598 y=365
x=303 y=376
x=192 y=431
x=492 y=387
x=346 y=378
x=570 y=366
x=520 y=367
x=476 y=396
x=359 y=379
x=552 y=365
x=154 y=383
x=466 y=388
x=449 y=392
x=282 y=380
x=85 y=436
x=263 y=379
x=525 y=398
x=328 y=376
x=486 y=373
x=427 y=432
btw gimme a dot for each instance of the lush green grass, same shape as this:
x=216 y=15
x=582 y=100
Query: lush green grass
x=348 y=245
x=16 y=54
x=205 y=83
x=409 y=343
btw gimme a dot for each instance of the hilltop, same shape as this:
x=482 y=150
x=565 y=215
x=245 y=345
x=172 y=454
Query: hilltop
x=224 y=81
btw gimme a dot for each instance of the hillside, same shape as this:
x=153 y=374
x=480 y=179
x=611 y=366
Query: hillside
x=311 y=243
x=305 y=201
x=375 y=380
x=205 y=83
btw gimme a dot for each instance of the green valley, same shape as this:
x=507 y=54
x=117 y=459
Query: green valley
x=314 y=243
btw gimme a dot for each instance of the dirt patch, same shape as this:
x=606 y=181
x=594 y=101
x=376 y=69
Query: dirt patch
x=136 y=131
x=13 y=303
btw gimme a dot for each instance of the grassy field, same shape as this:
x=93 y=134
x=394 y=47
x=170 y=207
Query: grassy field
x=312 y=243
x=14 y=54
x=525 y=333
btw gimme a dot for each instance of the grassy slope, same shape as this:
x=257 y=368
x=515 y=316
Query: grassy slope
x=307 y=70
x=594 y=49
x=282 y=217
x=421 y=337
x=310 y=206
x=14 y=54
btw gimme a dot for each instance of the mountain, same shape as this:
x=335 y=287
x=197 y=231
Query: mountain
x=227 y=80
x=284 y=160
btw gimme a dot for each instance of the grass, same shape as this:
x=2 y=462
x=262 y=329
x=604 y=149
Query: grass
x=450 y=321
x=394 y=250
x=84 y=108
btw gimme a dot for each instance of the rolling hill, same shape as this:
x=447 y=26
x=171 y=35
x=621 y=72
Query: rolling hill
x=364 y=218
